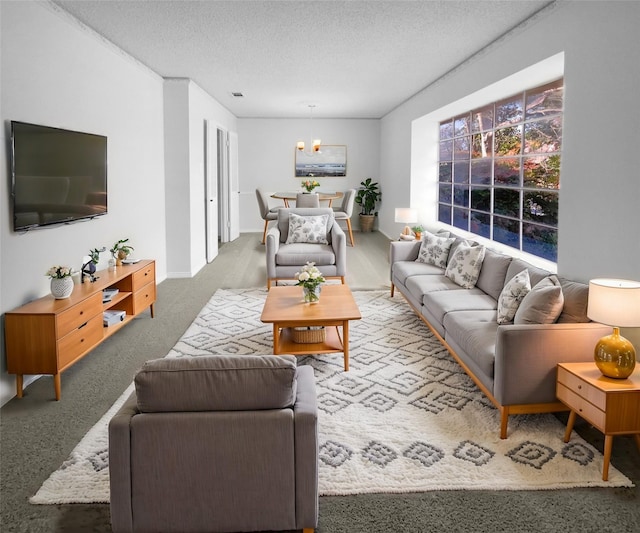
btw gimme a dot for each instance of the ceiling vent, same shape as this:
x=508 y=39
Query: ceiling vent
x=237 y=94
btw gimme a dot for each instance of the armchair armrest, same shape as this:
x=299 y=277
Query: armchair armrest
x=527 y=356
x=120 y=465
x=339 y=245
x=272 y=247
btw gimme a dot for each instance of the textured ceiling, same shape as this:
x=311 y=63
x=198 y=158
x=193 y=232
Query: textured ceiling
x=356 y=59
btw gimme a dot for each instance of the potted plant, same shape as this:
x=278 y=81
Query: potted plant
x=121 y=250
x=367 y=197
x=417 y=231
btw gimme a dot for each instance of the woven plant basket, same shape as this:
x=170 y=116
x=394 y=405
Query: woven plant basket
x=308 y=335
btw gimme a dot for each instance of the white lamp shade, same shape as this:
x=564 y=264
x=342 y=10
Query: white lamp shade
x=406 y=215
x=615 y=302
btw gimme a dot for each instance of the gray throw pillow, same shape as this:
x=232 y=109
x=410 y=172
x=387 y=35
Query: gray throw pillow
x=513 y=293
x=434 y=250
x=542 y=305
x=311 y=229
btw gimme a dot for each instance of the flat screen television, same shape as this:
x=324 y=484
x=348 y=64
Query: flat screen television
x=57 y=176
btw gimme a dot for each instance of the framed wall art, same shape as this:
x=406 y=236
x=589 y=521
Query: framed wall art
x=330 y=161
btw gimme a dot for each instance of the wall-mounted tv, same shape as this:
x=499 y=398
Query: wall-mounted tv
x=57 y=176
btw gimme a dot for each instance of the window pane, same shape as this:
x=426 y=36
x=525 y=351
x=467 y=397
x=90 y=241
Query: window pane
x=446 y=151
x=461 y=218
x=461 y=172
x=480 y=224
x=481 y=171
x=446 y=130
x=444 y=213
x=444 y=193
x=543 y=136
x=482 y=145
x=461 y=195
x=481 y=198
x=540 y=241
x=506 y=202
x=461 y=125
x=541 y=207
x=542 y=172
x=507 y=172
x=509 y=140
x=506 y=231
x=444 y=172
x=546 y=100
x=482 y=119
x=461 y=146
x=509 y=111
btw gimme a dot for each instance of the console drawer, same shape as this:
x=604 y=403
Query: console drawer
x=143 y=276
x=144 y=298
x=85 y=337
x=69 y=320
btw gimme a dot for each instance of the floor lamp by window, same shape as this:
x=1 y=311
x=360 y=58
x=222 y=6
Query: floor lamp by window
x=615 y=302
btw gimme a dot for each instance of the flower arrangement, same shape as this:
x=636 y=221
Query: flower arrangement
x=309 y=185
x=121 y=250
x=310 y=278
x=59 y=272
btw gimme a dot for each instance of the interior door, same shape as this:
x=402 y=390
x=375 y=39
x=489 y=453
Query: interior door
x=211 y=190
x=234 y=189
x=223 y=185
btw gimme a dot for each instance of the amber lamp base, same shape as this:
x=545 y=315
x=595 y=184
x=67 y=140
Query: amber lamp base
x=615 y=356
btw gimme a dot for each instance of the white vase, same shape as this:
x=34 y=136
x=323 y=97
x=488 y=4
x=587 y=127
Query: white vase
x=61 y=288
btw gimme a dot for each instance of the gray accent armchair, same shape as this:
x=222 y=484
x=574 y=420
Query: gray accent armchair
x=285 y=259
x=222 y=443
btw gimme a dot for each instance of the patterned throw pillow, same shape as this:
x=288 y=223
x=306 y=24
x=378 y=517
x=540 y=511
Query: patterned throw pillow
x=511 y=296
x=311 y=229
x=434 y=250
x=465 y=264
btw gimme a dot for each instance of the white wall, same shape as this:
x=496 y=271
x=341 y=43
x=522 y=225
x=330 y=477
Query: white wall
x=56 y=73
x=186 y=108
x=267 y=150
x=600 y=182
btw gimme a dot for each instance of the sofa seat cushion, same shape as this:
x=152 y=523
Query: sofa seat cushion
x=405 y=269
x=217 y=383
x=442 y=302
x=421 y=285
x=474 y=332
x=301 y=253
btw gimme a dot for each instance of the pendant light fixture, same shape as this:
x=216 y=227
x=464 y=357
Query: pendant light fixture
x=315 y=143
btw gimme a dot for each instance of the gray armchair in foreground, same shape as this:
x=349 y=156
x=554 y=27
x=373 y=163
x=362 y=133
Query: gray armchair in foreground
x=223 y=443
x=299 y=237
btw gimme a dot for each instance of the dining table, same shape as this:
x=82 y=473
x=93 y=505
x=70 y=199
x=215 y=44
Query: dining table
x=323 y=196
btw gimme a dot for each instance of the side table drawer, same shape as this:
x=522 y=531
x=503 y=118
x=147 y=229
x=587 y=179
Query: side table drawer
x=69 y=320
x=582 y=388
x=71 y=346
x=581 y=406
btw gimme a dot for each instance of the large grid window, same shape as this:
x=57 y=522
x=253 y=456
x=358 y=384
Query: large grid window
x=499 y=170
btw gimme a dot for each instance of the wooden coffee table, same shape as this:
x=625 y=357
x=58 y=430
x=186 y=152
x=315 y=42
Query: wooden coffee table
x=285 y=309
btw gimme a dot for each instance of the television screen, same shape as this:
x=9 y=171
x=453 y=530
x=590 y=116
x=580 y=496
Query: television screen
x=58 y=175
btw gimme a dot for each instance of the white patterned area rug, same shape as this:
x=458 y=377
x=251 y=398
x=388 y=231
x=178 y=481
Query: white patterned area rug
x=405 y=418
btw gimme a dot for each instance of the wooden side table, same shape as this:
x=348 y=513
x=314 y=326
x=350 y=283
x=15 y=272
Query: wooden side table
x=610 y=405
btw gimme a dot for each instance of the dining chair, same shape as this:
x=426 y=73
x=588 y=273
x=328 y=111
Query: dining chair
x=307 y=200
x=345 y=211
x=266 y=213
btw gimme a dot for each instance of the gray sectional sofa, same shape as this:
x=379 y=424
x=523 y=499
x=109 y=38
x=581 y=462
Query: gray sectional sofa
x=513 y=363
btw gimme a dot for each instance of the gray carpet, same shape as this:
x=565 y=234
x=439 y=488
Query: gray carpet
x=37 y=433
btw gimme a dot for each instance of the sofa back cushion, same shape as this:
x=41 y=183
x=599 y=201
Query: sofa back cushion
x=576 y=297
x=536 y=275
x=493 y=273
x=216 y=383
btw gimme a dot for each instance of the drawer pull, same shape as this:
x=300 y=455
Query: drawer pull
x=81 y=313
x=83 y=325
x=579 y=387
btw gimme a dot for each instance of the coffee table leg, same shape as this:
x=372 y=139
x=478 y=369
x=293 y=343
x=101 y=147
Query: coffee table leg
x=276 y=339
x=345 y=344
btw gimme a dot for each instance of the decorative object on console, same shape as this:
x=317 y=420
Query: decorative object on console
x=309 y=185
x=61 y=281
x=121 y=251
x=89 y=264
x=406 y=215
x=367 y=198
x=311 y=280
x=616 y=303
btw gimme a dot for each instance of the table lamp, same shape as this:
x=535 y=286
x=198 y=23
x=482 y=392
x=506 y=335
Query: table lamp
x=615 y=302
x=406 y=215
